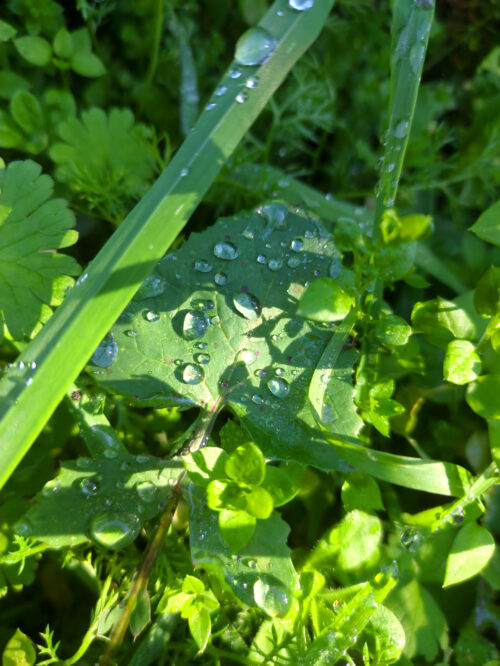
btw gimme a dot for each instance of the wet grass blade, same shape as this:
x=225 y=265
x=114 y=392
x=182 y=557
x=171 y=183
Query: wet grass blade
x=68 y=340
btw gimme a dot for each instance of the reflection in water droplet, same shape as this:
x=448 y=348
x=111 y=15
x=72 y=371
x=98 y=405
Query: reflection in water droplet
x=147 y=491
x=278 y=387
x=131 y=334
x=252 y=82
x=220 y=279
x=184 y=172
x=241 y=97
x=257 y=399
x=195 y=325
x=114 y=529
x=192 y=374
x=401 y=129
x=221 y=90
x=152 y=286
x=261 y=372
x=246 y=356
x=152 y=315
x=293 y=262
x=89 y=486
x=424 y=4
x=301 y=5
x=254 y=47
x=261 y=259
x=275 y=264
x=410 y=539
x=234 y=73
x=23 y=527
x=203 y=359
x=200 y=345
x=273 y=599
x=210 y=106
x=297 y=244
x=247 y=305
x=225 y=250
x=105 y=353
x=279 y=372
x=202 y=266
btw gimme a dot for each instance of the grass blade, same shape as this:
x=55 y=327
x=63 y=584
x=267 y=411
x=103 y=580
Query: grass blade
x=65 y=344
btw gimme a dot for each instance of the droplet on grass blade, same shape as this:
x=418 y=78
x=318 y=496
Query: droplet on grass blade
x=254 y=47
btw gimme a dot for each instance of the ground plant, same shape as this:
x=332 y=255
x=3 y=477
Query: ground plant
x=250 y=332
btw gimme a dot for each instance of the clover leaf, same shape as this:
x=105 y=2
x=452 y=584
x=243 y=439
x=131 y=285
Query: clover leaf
x=33 y=276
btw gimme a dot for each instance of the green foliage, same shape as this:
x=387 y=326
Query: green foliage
x=265 y=411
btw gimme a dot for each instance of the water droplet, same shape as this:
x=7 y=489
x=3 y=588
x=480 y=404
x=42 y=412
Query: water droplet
x=261 y=372
x=272 y=599
x=252 y=564
x=278 y=387
x=203 y=359
x=184 y=172
x=23 y=527
x=152 y=315
x=390 y=167
x=297 y=244
x=301 y=5
x=114 y=529
x=20 y=365
x=192 y=374
x=401 y=129
x=257 y=399
x=234 y=73
x=241 y=97
x=254 y=47
x=247 y=305
x=246 y=356
x=147 y=491
x=410 y=539
x=252 y=82
x=131 y=334
x=200 y=345
x=279 y=372
x=195 y=325
x=221 y=90
x=225 y=250
x=220 y=279
x=457 y=516
x=105 y=353
x=81 y=279
x=417 y=55
x=275 y=264
x=261 y=259
x=89 y=486
x=424 y=4
x=29 y=381
x=210 y=106
x=293 y=262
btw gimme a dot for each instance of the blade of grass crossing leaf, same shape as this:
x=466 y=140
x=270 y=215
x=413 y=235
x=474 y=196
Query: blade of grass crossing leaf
x=63 y=347
x=412 y=20
x=442 y=478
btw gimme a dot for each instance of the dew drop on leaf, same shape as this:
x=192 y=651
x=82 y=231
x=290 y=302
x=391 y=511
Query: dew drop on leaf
x=293 y=262
x=297 y=244
x=131 y=333
x=424 y=4
x=200 y=345
x=246 y=356
x=401 y=129
x=410 y=539
x=210 y=106
x=23 y=527
x=221 y=90
x=202 y=266
x=247 y=305
x=234 y=73
x=274 y=264
x=202 y=359
x=254 y=47
x=192 y=374
x=257 y=399
x=225 y=250
x=152 y=286
x=152 y=315
x=301 y=5
x=252 y=82
x=113 y=529
x=184 y=172
x=147 y=491
x=261 y=372
x=105 y=353
x=272 y=599
x=220 y=279
x=261 y=259
x=195 y=325
x=278 y=387
x=241 y=97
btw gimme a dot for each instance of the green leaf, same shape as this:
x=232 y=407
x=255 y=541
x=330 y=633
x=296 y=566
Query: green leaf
x=487 y=293
x=19 y=651
x=236 y=528
x=106 y=158
x=473 y=648
x=423 y=621
x=393 y=262
x=462 y=363
x=10 y=83
x=232 y=435
x=35 y=50
x=385 y=636
x=87 y=64
x=265 y=555
x=63 y=43
x=280 y=485
x=273 y=644
x=141 y=615
x=226 y=495
x=200 y=627
x=470 y=552
x=192 y=585
x=205 y=465
x=392 y=330
x=206 y=333
x=440 y=321
x=360 y=491
x=7 y=31
x=100 y=499
x=27 y=112
x=487 y=226
x=325 y=300
x=246 y=465
x=482 y=396
x=259 y=503
x=355 y=538
x=32 y=276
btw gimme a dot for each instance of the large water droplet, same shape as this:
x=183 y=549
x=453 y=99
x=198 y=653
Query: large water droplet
x=278 y=387
x=192 y=374
x=220 y=279
x=152 y=315
x=254 y=47
x=247 y=305
x=195 y=325
x=105 y=353
x=89 y=486
x=301 y=5
x=272 y=599
x=202 y=266
x=225 y=250
x=297 y=244
x=147 y=491
x=401 y=129
x=410 y=539
x=246 y=356
x=113 y=529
